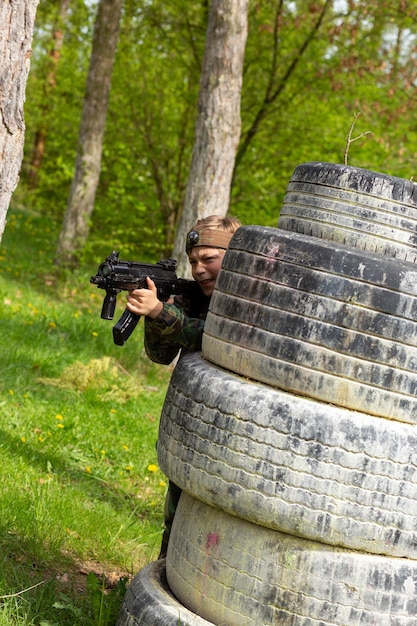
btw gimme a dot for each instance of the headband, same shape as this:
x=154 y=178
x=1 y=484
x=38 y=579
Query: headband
x=208 y=237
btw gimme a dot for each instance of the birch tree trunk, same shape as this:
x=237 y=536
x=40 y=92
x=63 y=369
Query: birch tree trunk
x=17 y=18
x=76 y=224
x=217 y=131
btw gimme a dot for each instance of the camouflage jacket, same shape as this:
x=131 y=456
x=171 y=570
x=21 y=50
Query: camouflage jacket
x=179 y=326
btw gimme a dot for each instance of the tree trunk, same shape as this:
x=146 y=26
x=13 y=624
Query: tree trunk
x=218 y=124
x=17 y=18
x=76 y=224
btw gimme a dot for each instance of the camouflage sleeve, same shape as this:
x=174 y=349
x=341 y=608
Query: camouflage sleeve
x=170 y=332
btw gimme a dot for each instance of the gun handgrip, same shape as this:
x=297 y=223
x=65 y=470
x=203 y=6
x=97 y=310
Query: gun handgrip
x=109 y=304
x=125 y=327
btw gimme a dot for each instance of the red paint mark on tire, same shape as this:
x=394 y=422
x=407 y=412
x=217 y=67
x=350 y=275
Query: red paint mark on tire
x=212 y=540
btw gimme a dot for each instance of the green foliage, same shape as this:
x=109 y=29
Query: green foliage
x=55 y=94
x=105 y=607
x=306 y=76
x=344 y=71
x=82 y=494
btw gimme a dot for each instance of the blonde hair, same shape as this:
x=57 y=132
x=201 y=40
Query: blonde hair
x=213 y=231
x=216 y=222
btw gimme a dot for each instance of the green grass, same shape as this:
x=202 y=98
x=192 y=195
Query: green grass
x=81 y=494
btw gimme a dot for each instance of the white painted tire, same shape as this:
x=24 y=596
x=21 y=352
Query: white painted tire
x=289 y=463
x=360 y=208
x=150 y=602
x=319 y=319
x=233 y=572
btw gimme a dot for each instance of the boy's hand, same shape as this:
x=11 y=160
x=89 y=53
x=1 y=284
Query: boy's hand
x=145 y=301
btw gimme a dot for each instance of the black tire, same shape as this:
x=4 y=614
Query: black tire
x=233 y=572
x=150 y=602
x=288 y=463
x=360 y=208
x=318 y=319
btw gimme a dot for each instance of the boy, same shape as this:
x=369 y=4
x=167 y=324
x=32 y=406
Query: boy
x=177 y=325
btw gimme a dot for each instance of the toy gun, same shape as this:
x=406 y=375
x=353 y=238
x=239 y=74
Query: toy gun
x=115 y=275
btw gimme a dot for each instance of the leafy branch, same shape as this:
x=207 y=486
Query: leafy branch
x=349 y=138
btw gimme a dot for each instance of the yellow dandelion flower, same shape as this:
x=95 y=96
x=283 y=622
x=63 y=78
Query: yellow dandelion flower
x=11 y=392
x=23 y=439
x=59 y=417
x=128 y=468
x=88 y=469
x=152 y=468
x=94 y=334
x=52 y=325
x=125 y=447
x=162 y=483
x=60 y=425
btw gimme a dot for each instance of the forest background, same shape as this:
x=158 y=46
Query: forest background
x=79 y=416
x=311 y=67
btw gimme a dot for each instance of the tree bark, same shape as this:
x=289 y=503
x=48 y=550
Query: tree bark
x=217 y=131
x=76 y=224
x=17 y=19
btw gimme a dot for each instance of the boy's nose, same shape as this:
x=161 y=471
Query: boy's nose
x=199 y=267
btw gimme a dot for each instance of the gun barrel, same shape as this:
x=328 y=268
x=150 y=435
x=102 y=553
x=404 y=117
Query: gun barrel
x=98 y=280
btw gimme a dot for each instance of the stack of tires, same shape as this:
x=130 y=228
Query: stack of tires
x=293 y=434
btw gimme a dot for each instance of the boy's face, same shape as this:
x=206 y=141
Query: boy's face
x=205 y=265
